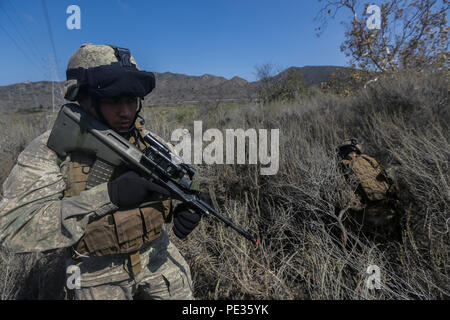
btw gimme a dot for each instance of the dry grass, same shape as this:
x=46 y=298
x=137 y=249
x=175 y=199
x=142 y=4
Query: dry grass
x=402 y=120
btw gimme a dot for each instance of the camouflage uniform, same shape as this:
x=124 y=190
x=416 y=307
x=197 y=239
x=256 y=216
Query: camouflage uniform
x=166 y=275
x=374 y=205
x=44 y=208
x=35 y=216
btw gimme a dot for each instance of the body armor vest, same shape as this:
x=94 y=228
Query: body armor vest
x=124 y=231
x=369 y=175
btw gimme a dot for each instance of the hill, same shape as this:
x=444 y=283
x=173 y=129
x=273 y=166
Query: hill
x=171 y=88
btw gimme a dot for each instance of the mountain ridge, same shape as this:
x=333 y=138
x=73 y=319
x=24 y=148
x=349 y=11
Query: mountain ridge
x=171 y=88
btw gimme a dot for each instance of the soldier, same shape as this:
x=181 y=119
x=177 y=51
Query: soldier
x=375 y=203
x=121 y=253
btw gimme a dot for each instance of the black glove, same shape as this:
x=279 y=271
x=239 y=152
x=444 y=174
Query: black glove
x=130 y=190
x=185 y=220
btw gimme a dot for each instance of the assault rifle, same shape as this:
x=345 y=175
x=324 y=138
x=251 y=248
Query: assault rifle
x=77 y=131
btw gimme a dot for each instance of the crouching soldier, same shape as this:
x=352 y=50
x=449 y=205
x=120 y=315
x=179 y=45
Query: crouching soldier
x=375 y=204
x=119 y=246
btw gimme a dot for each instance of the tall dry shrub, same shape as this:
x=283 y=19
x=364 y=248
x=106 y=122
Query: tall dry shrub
x=402 y=120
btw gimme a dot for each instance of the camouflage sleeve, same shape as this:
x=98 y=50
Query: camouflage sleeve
x=34 y=216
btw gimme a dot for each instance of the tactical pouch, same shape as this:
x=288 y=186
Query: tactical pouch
x=99 y=238
x=125 y=231
x=153 y=221
x=129 y=230
x=78 y=173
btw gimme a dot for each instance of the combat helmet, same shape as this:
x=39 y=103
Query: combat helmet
x=106 y=71
x=349 y=145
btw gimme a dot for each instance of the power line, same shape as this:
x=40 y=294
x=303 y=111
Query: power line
x=15 y=25
x=20 y=34
x=50 y=35
x=19 y=47
x=55 y=59
x=24 y=28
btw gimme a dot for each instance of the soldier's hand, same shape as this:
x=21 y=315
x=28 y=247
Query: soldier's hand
x=130 y=190
x=185 y=219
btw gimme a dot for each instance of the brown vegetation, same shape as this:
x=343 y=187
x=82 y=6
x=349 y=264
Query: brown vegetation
x=402 y=119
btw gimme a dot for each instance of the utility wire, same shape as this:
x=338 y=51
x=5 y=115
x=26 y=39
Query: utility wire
x=30 y=47
x=55 y=59
x=51 y=36
x=25 y=29
x=19 y=47
x=15 y=26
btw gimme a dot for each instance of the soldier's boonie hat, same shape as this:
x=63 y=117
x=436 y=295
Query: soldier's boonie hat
x=106 y=71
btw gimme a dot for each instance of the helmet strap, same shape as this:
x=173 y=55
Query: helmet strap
x=96 y=105
x=123 y=55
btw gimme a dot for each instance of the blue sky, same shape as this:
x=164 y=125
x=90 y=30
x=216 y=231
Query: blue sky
x=221 y=37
